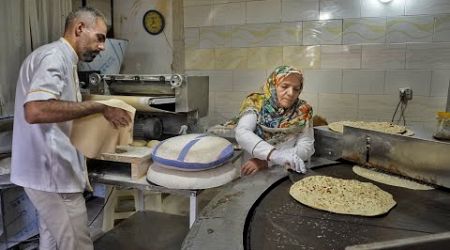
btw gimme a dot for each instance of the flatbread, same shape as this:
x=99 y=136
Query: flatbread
x=385 y=127
x=342 y=196
x=389 y=179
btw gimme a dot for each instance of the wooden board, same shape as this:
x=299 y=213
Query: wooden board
x=138 y=157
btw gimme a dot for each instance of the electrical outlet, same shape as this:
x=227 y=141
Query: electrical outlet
x=406 y=93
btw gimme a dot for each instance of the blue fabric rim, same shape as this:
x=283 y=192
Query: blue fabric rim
x=226 y=154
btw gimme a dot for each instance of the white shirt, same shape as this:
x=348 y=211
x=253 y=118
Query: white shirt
x=43 y=158
x=258 y=148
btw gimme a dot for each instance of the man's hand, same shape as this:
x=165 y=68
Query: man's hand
x=252 y=166
x=116 y=116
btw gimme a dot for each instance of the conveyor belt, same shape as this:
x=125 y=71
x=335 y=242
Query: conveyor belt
x=277 y=221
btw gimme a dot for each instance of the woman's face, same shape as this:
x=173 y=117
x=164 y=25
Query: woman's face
x=288 y=90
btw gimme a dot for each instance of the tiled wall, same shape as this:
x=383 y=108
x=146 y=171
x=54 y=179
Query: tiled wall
x=355 y=53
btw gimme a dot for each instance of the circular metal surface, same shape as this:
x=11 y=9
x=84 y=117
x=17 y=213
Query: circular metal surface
x=277 y=221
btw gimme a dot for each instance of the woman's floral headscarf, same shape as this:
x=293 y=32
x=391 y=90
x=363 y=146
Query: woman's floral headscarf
x=274 y=121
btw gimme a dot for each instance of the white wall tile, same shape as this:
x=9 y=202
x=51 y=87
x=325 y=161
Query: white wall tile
x=323 y=81
x=336 y=107
x=421 y=7
x=340 y=56
x=264 y=57
x=439 y=83
x=211 y=102
x=215 y=37
x=299 y=10
x=366 y=30
x=334 y=9
x=187 y=3
x=248 y=80
x=256 y=35
x=230 y=58
x=196 y=16
x=442 y=28
x=231 y=13
x=291 y=33
x=267 y=11
x=219 y=80
x=363 y=82
x=199 y=59
x=226 y=1
x=304 y=57
x=377 y=107
x=322 y=32
x=428 y=55
x=418 y=80
x=383 y=56
x=192 y=38
x=422 y=108
x=409 y=29
x=312 y=99
x=374 y=8
x=229 y=102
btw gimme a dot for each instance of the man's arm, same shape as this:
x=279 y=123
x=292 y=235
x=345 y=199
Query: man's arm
x=52 y=111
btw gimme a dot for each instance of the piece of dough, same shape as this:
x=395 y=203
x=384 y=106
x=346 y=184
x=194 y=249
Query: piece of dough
x=139 y=143
x=342 y=196
x=389 y=179
x=385 y=127
x=152 y=143
x=5 y=166
x=93 y=134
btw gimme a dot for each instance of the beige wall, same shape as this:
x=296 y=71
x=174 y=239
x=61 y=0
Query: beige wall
x=355 y=53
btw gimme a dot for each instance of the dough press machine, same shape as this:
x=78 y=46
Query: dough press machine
x=166 y=104
x=257 y=212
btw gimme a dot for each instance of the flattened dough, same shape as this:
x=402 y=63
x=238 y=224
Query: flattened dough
x=93 y=134
x=385 y=127
x=389 y=179
x=342 y=196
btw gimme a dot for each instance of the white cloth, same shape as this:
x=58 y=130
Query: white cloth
x=43 y=158
x=258 y=148
x=63 y=220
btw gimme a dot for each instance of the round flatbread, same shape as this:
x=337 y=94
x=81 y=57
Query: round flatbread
x=389 y=179
x=342 y=196
x=385 y=127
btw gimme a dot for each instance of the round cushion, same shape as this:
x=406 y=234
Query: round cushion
x=192 y=152
x=176 y=179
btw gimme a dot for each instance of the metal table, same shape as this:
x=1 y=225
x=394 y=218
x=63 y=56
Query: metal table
x=111 y=175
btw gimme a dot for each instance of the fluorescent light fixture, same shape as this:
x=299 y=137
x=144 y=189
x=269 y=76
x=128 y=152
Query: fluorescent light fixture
x=385 y=1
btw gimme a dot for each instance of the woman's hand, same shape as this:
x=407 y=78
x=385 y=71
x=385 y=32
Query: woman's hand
x=252 y=166
x=289 y=158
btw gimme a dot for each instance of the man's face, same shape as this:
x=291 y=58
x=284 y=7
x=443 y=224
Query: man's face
x=288 y=90
x=92 y=41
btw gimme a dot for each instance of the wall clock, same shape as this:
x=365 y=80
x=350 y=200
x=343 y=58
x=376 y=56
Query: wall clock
x=153 y=22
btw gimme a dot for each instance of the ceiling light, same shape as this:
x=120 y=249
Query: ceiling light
x=385 y=1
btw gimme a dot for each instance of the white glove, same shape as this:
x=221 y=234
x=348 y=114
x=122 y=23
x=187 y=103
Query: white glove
x=288 y=157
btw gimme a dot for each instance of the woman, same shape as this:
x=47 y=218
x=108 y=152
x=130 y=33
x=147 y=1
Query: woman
x=275 y=127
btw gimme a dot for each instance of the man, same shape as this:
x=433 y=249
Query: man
x=52 y=172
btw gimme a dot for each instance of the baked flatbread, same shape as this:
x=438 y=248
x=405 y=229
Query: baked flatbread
x=385 y=127
x=342 y=196
x=389 y=179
